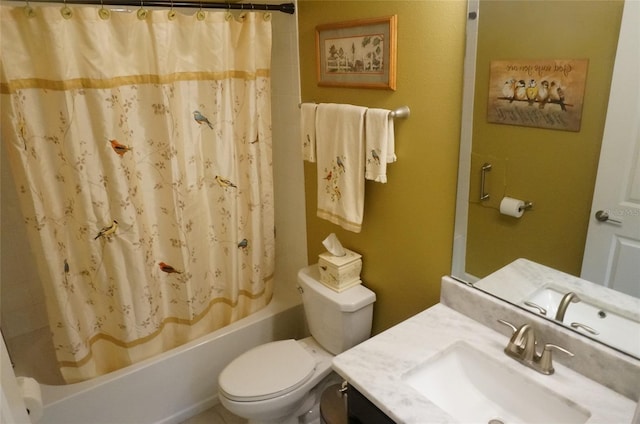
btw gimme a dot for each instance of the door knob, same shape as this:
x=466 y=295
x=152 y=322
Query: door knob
x=602 y=216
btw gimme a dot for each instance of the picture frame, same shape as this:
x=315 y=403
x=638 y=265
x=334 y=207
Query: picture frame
x=539 y=93
x=358 y=54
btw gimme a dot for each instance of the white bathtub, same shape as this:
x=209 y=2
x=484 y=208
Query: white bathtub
x=176 y=384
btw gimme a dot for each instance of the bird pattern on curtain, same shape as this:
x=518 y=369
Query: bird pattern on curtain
x=141 y=150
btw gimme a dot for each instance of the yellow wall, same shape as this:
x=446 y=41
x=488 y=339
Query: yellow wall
x=407 y=234
x=554 y=169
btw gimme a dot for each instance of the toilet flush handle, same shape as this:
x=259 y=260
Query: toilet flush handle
x=343 y=388
x=300 y=290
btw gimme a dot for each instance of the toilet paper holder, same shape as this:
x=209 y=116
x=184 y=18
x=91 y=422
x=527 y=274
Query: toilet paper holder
x=527 y=205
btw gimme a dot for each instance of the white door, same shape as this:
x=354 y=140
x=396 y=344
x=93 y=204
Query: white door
x=612 y=251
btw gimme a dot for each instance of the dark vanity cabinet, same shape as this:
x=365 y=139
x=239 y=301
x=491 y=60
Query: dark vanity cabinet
x=362 y=411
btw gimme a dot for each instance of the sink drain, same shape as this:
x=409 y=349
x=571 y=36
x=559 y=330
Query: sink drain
x=495 y=421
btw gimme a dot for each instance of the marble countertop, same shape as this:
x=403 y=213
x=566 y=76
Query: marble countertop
x=521 y=278
x=376 y=367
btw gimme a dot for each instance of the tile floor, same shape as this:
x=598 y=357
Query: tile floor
x=216 y=415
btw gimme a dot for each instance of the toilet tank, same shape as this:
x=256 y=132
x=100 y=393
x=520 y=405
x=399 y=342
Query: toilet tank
x=337 y=321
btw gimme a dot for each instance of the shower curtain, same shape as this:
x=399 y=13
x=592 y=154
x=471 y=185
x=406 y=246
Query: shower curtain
x=140 y=143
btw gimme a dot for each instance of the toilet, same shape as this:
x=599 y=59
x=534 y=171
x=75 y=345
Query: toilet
x=282 y=381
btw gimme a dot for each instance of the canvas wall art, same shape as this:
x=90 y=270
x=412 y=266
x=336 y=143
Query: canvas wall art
x=537 y=93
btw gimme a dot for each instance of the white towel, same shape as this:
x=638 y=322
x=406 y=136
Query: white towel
x=308 y=131
x=379 y=144
x=340 y=155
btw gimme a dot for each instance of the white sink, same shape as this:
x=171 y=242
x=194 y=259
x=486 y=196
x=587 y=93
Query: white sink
x=611 y=328
x=473 y=387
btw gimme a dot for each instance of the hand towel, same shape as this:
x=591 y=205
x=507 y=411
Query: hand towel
x=379 y=144
x=308 y=131
x=340 y=162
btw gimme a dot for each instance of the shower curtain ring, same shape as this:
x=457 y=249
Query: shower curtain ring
x=66 y=11
x=142 y=12
x=28 y=10
x=172 y=13
x=243 y=14
x=229 y=15
x=200 y=15
x=103 y=13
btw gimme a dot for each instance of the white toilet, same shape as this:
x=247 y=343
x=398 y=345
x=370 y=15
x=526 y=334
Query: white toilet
x=282 y=382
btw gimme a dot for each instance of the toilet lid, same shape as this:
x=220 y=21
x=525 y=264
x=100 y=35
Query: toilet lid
x=267 y=371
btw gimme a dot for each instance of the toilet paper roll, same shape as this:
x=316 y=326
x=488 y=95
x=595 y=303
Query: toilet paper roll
x=512 y=207
x=30 y=390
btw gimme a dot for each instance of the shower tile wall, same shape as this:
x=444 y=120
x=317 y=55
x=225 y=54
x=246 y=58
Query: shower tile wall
x=288 y=169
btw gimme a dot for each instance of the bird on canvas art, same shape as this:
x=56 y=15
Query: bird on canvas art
x=532 y=91
x=556 y=94
x=543 y=93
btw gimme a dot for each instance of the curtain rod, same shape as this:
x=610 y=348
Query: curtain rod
x=284 y=7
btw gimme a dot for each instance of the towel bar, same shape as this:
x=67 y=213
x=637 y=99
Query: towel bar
x=402 y=112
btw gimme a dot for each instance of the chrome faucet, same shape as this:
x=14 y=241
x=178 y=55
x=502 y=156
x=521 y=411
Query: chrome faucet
x=568 y=298
x=522 y=348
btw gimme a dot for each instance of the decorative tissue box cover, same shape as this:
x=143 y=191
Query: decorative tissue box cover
x=340 y=272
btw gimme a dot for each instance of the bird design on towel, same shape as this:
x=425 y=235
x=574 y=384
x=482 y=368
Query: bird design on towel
x=168 y=268
x=333 y=178
x=223 y=182
x=108 y=230
x=375 y=156
x=201 y=119
x=243 y=244
x=119 y=148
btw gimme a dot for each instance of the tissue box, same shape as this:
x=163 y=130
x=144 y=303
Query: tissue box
x=340 y=272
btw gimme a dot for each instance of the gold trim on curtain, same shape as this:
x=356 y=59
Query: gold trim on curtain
x=78 y=83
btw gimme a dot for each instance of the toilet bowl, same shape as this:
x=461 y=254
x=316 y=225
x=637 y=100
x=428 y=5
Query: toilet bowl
x=282 y=381
x=291 y=376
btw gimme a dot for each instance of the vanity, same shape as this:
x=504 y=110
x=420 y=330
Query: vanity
x=447 y=364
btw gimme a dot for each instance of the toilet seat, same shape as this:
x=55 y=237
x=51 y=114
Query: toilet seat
x=267 y=371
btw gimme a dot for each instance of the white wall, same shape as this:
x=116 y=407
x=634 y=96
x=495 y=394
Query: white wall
x=291 y=238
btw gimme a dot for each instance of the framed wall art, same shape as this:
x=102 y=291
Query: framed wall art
x=358 y=53
x=537 y=93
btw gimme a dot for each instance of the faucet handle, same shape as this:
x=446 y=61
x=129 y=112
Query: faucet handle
x=545 y=359
x=508 y=324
